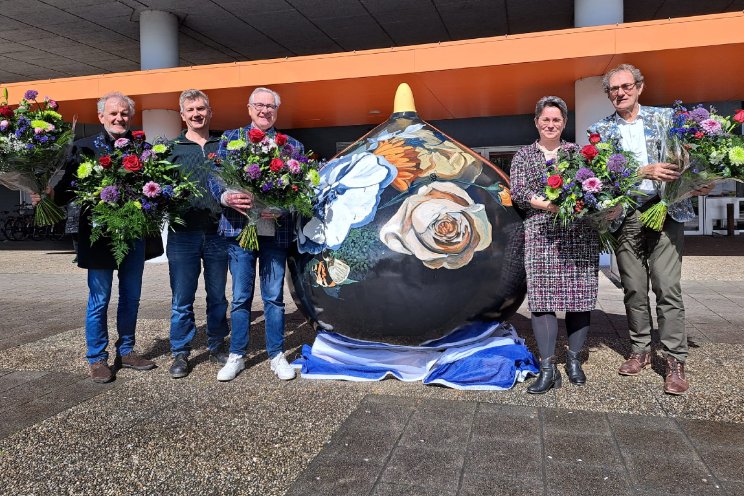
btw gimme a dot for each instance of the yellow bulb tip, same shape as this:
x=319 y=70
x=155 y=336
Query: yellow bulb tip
x=404 y=99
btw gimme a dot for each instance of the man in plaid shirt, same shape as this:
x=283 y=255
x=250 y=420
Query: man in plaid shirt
x=263 y=106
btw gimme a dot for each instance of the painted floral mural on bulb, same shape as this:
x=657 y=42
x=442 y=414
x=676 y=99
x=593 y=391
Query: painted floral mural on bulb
x=412 y=235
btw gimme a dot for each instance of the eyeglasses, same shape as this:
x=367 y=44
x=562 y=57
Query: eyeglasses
x=627 y=88
x=264 y=106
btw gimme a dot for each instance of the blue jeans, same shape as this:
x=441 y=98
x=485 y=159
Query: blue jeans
x=271 y=265
x=96 y=319
x=186 y=250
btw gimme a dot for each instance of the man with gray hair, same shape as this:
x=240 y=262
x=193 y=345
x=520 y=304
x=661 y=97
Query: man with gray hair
x=263 y=107
x=643 y=255
x=196 y=242
x=115 y=112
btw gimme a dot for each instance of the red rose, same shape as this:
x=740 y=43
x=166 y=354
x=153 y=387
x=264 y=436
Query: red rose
x=739 y=116
x=6 y=111
x=256 y=135
x=589 y=152
x=132 y=163
x=555 y=181
x=699 y=134
x=594 y=138
x=280 y=139
x=105 y=161
x=276 y=165
x=138 y=135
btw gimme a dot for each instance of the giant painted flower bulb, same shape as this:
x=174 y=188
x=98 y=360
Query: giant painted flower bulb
x=414 y=235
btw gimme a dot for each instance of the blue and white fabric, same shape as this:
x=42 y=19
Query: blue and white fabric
x=479 y=355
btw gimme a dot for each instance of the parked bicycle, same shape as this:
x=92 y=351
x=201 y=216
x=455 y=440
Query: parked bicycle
x=18 y=225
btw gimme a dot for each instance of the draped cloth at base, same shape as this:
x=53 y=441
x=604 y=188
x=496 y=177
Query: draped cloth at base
x=478 y=355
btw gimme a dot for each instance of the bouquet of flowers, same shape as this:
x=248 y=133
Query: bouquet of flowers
x=588 y=183
x=276 y=173
x=33 y=143
x=132 y=191
x=702 y=145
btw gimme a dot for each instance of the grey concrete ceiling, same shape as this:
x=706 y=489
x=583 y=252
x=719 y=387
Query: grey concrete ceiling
x=46 y=39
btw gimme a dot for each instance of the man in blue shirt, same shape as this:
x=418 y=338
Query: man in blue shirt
x=263 y=106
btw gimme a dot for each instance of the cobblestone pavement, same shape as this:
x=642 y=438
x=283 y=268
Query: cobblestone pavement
x=148 y=434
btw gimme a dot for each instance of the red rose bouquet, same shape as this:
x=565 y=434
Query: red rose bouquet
x=705 y=149
x=132 y=190
x=590 y=182
x=274 y=171
x=33 y=143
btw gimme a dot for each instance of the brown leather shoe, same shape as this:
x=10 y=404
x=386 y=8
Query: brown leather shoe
x=675 y=382
x=635 y=363
x=134 y=361
x=100 y=372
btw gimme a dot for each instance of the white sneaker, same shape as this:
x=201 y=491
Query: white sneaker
x=235 y=363
x=282 y=368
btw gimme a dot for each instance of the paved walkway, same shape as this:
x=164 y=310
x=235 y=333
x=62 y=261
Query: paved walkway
x=148 y=434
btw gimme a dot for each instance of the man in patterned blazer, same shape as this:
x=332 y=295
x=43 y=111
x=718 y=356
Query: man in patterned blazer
x=645 y=255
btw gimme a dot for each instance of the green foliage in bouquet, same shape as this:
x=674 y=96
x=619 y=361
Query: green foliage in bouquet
x=703 y=146
x=132 y=190
x=34 y=140
x=589 y=183
x=274 y=171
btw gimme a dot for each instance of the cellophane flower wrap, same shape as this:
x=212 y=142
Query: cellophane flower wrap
x=702 y=145
x=588 y=183
x=274 y=172
x=131 y=191
x=34 y=140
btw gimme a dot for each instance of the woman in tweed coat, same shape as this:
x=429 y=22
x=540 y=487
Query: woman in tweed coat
x=561 y=262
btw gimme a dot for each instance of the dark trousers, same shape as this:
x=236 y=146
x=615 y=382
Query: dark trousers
x=644 y=257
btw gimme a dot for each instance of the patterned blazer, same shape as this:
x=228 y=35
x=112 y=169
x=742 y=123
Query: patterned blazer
x=656 y=124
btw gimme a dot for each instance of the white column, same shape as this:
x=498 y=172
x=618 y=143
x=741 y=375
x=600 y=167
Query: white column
x=594 y=13
x=161 y=123
x=592 y=105
x=159 y=50
x=158 y=40
x=591 y=102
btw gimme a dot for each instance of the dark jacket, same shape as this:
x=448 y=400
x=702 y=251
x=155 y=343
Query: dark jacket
x=98 y=255
x=204 y=212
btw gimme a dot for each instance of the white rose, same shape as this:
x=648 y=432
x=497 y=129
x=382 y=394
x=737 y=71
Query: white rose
x=440 y=225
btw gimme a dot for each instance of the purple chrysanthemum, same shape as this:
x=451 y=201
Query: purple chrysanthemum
x=31 y=95
x=253 y=171
x=616 y=163
x=699 y=114
x=121 y=143
x=110 y=194
x=147 y=155
x=4 y=125
x=583 y=174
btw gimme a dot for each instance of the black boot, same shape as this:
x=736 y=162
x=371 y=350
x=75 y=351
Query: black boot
x=549 y=377
x=573 y=368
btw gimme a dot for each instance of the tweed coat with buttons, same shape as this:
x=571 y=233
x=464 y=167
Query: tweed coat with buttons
x=561 y=262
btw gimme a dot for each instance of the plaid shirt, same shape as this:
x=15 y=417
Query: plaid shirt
x=231 y=221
